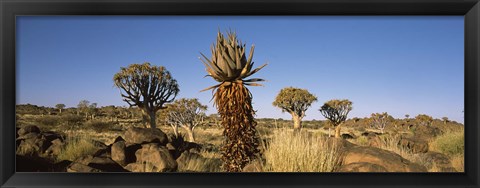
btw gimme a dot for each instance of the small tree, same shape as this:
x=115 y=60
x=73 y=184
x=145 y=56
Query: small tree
x=186 y=113
x=148 y=87
x=92 y=110
x=445 y=120
x=60 y=107
x=82 y=107
x=424 y=120
x=112 y=112
x=336 y=112
x=380 y=121
x=295 y=101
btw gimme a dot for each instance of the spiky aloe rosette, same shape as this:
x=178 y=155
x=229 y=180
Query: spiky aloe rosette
x=229 y=66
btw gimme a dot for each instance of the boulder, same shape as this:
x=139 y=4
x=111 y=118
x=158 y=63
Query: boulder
x=438 y=161
x=415 y=145
x=118 y=153
x=348 y=136
x=156 y=155
x=77 y=167
x=28 y=129
x=387 y=159
x=105 y=164
x=361 y=167
x=55 y=148
x=145 y=135
x=91 y=163
x=33 y=146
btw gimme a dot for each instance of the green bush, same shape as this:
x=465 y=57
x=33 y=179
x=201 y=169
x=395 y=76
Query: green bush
x=450 y=143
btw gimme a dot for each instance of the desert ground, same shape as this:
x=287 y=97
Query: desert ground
x=115 y=139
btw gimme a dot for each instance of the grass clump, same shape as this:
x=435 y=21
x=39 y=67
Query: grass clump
x=76 y=147
x=450 y=143
x=209 y=162
x=289 y=151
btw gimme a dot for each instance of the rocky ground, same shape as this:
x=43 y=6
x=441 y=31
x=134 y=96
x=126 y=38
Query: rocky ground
x=151 y=150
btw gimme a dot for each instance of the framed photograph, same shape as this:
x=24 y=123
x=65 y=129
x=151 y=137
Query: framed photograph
x=239 y=93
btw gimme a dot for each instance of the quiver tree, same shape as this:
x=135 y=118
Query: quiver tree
x=336 y=112
x=424 y=120
x=230 y=66
x=380 y=121
x=295 y=101
x=445 y=120
x=148 y=87
x=82 y=107
x=92 y=110
x=186 y=113
x=60 y=107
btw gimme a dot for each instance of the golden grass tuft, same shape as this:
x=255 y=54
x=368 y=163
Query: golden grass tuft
x=77 y=147
x=289 y=151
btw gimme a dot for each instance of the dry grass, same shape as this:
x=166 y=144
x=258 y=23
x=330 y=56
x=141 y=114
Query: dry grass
x=76 y=147
x=458 y=162
x=210 y=162
x=300 y=152
x=451 y=143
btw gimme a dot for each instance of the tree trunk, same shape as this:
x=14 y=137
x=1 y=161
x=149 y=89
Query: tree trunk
x=337 y=131
x=60 y=110
x=191 y=137
x=153 y=123
x=297 y=122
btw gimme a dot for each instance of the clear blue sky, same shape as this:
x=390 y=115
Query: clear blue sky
x=400 y=65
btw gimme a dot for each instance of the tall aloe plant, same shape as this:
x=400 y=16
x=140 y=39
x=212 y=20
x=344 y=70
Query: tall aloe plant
x=230 y=67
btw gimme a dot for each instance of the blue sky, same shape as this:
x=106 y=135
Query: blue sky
x=396 y=64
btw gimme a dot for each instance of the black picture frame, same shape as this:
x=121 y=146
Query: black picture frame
x=9 y=9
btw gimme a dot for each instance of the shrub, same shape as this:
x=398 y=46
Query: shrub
x=98 y=125
x=48 y=120
x=290 y=151
x=76 y=147
x=72 y=119
x=450 y=143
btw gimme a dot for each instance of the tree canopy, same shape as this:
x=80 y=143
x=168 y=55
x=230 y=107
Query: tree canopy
x=294 y=100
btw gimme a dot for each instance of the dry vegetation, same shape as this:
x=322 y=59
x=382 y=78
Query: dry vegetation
x=282 y=148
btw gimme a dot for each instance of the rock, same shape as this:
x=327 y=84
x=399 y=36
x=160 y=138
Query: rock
x=28 y=129
x=55 y=148
x=31 y=135
x=438 y=161
x=387 y=159
x=156 y=155
x=145 y=135
x=50 y=136
x=105 y=164
x=118 y=153
x=102 y=164
x=254 y=166
x=361 y=167
x=77 y=167
x=415 y=145
x=348 y=136
x=140 y=167
x=130 y=150
x=33 y=146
